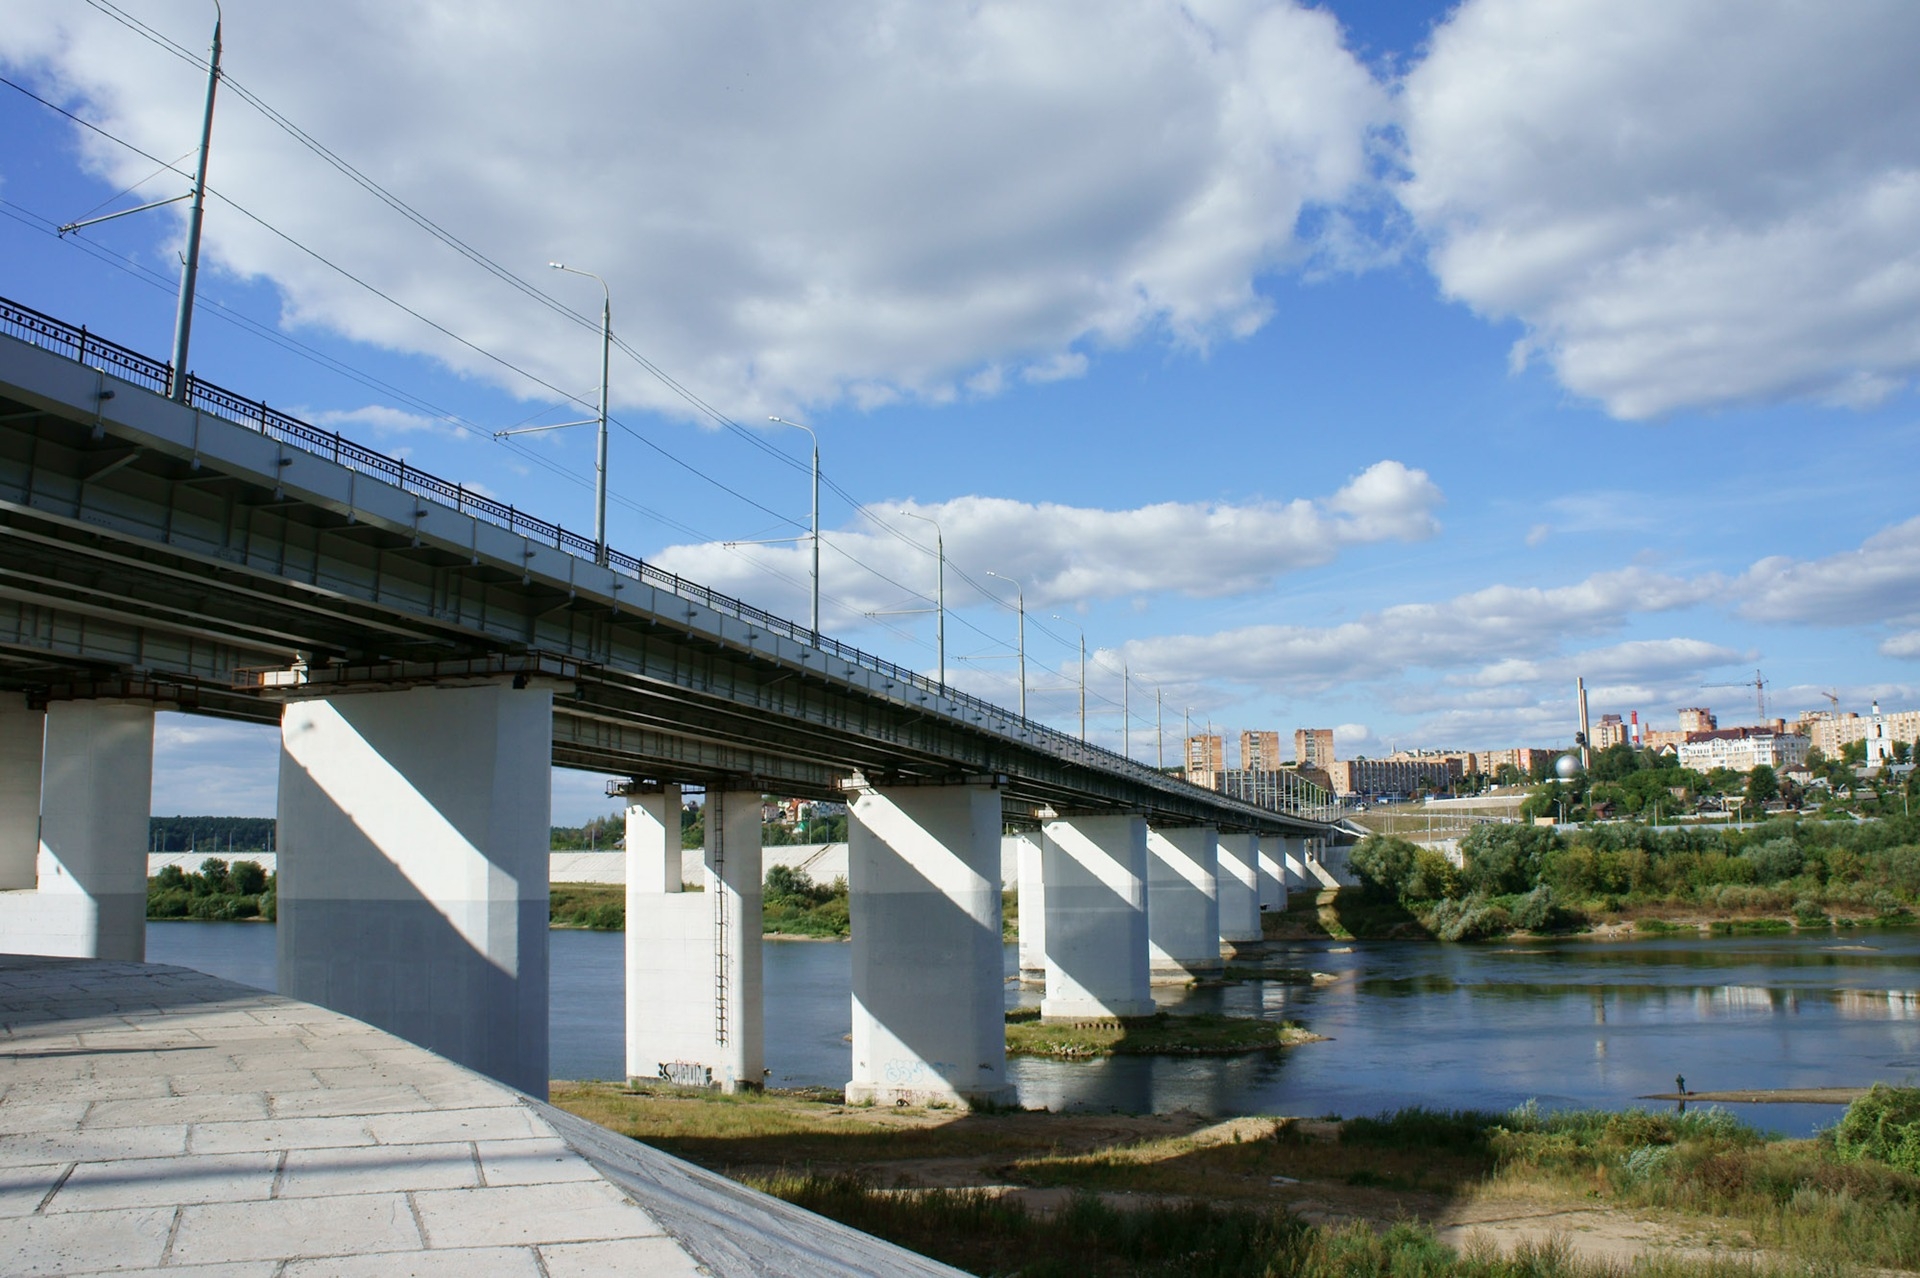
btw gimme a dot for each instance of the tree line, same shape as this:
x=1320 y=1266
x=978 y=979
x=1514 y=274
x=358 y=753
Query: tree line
x=1534 y=878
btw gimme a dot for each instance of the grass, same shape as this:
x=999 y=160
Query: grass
x=1161 y=1034
x=1173 y=1195
x=601 y=907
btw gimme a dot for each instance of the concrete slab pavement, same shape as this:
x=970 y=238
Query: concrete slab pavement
x=155 y=1120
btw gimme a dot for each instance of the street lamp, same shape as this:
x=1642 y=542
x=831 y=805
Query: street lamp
x=1083 y=671
x=600 y=451
x=190 y=261
x=1021 y=595
x=939 y=590
x=816 y=520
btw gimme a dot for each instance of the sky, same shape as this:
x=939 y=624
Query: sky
x=1367 y=365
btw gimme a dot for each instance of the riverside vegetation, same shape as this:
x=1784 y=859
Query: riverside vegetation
x=1784 y=873
x=217 y=892
x=1415 y=1194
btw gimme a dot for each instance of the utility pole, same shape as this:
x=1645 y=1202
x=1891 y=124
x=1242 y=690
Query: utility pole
x=1126 y=713
x=815 y=623
x=1159 y=733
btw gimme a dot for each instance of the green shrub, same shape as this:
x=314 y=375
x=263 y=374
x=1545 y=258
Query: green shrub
x=1884 y=1125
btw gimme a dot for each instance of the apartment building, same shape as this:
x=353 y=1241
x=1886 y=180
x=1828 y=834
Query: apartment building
x=1391 y=776
x=1205 y=758
x=1743 y=749
x=1260 y=751
x=1312 y=747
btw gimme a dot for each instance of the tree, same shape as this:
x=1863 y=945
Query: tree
x=1762 y=784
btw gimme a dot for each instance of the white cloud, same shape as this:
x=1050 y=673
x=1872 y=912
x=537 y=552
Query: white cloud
x=380 y=419
x=1905 y=646
x=1879 y=582
x=1072 y=554
x=853 y=199
x=1516 y=623
x=1686 y=204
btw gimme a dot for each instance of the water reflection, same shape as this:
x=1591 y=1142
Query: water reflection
x=1567 y=1022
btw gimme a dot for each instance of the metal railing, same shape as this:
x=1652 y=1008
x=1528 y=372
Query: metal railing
x=77 y=343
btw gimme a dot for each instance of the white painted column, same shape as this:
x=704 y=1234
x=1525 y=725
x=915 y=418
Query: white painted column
x=1239 y=892
x=1095 y=869
x=1033 y=906
x=1183 y=905
x=929 y=1021
x=737 y=1004
x=23 y=733
x=1273 y=873
x=90 y=864
x=695 y=1015
x=414 y=830
x=667 y=947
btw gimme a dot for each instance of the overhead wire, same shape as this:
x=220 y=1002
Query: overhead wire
x=754 y=438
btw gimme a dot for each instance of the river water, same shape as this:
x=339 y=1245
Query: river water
x=1566 y=1022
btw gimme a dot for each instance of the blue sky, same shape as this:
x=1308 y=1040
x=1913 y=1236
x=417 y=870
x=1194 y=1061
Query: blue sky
x=1379 y=366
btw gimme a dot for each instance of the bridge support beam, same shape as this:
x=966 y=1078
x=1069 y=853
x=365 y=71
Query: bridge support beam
x=928 y=995
x=23 y=733
x=1293 y=861
x=414 y=830
x=1183 y=904
x=695 y=1014
x=1030 y=856
x=1273 y=873
x=89 y=773
x=1239 y=887
x=1095 y=868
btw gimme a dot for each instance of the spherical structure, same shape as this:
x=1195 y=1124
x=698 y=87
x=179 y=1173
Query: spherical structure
x=1567 y=766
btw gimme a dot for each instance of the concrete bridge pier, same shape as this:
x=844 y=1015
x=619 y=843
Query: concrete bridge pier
x=928 y=999
x=1294 y=862
x=23 y=733
x=1030 y=856
x=1273 y=873
x=75 y=785
x=1239 y=891
x=695 y=1014
x=1183 y=904
x=1095 y=868
x=414 y=827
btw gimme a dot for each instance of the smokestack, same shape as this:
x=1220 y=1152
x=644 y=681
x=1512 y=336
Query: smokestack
x=1633 y=717
x=1586 y=754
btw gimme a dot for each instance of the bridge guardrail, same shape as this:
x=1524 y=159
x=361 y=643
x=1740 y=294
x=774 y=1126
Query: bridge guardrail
x=42 y=330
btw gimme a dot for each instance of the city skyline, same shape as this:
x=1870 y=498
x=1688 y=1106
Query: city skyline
x=1264 y=343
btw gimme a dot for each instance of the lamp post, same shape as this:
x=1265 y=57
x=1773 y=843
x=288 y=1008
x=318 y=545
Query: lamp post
x=1083 y=671
x=939 y=590
x=815 y=622
x=600 y=448
x=190 y=272
x=1020 y=594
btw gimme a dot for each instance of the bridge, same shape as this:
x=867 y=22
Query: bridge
x=428 y=652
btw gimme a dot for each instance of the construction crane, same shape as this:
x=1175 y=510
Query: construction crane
x=1759 y=685
x=1834 y=697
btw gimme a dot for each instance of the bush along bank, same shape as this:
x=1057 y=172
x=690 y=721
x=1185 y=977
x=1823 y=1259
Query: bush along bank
x=218 y=892
x=1536 y=879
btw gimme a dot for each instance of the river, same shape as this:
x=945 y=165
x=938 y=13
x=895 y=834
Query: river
x=1567 y=1022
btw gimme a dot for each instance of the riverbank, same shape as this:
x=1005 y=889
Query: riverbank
x=1422 y=1191
x=1353 y=914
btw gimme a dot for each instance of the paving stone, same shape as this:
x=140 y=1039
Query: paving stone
x=462 y=1262
x=166 y=1182
x=531 y=1162
x=106 y=1142
x=369 y=1169
x=208 y=1107
x=329 y=1101
x=522 y=1214
x=653 y=1257
x=501 y=1122
x=23 y=1188
x=283 y=1228
x=279 y=1133
x=85 y=1242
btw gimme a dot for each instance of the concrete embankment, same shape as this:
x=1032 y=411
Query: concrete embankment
x=154 y=1120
